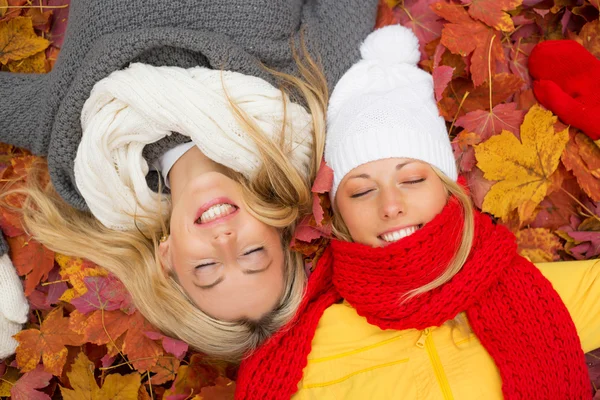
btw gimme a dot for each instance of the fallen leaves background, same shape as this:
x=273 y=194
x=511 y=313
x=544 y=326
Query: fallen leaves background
x=540 y=178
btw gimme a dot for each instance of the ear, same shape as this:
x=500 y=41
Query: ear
x=164 y=255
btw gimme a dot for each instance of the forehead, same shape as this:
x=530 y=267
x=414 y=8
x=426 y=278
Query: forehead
x=385 y=165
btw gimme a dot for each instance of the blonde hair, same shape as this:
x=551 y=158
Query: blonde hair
x=341 y=231
x=278 y=196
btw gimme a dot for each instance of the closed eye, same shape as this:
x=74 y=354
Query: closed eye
x=205 y=265
x=254 y=250
x=354 y=196
x=415 y=181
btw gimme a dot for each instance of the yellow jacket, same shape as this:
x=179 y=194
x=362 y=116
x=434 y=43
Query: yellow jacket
x=351 y=359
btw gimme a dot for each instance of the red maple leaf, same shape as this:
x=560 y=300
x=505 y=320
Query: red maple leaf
x=25 y=387
x=488 y=123
x=31 y=259
x=464 y=36
x=493 y=12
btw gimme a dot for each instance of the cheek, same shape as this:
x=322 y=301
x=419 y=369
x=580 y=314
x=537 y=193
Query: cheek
x=357 y=217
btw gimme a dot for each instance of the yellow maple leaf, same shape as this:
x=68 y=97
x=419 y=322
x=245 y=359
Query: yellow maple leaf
x=18 y=40
x=75 y=270
x=522 y=169
x=36 y=64
x=83 y=382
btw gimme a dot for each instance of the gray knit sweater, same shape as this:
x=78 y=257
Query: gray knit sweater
x=106 y=35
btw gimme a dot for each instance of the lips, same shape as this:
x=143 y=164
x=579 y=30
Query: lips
x=399 y=233
x=215 y=210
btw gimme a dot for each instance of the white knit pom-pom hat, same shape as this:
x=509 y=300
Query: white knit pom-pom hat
x=384 y=107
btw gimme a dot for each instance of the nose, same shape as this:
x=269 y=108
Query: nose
x=391 y=204
x=224 y=237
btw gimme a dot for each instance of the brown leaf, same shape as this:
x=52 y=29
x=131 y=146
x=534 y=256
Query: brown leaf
x=582 y=157
x=477 y=98
x=3 y=7
x=589 y=37
x=538 y=245
x=18 y=40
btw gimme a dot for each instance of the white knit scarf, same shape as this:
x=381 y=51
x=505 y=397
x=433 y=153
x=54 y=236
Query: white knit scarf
x=142 y=104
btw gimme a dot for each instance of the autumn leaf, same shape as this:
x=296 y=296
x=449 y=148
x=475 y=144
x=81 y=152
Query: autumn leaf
x=173 y=346
x=418 y=15
x=48 y=343
x=462 y=97
x=523 y=168
x=442 y=75
x=104 y=293
x=538 y=245
x=195 y=376
x=488 y=123
x=36 y=64
x=83 y=382
x=25 y=387
x=18 y=40
x=589 y=37
x=31 y=259
x=223 y=389
x=75 y=270
x=9 y=378
x=465 y=36
x=165 y=370
x=582 y=157
x=493 y=12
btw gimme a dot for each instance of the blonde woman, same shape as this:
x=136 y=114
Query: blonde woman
x=143 y=88
x=422 y=296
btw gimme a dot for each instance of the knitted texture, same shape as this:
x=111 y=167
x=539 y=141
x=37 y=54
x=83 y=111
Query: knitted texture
x=139 y=105
x=567 y=82
x=514 y=311
x=107 y=35
x=13 y=306
x=384 y=107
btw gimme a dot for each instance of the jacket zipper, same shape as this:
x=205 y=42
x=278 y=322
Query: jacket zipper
x=426 y=341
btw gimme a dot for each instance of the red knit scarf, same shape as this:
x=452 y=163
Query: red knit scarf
x=514 y=311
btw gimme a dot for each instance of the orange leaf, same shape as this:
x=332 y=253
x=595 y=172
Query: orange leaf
x=32 y=259
x=75 y=270
x=83 y=382
x=538 y=245
x=478 y=98
x=100 y=327
x=582 y=157
x=224 y=389
x=165 y=370
x=48 y=343
x=464 y=36
x=18 y=40
x=3 y=7
x=523 y=169
x=493 y=13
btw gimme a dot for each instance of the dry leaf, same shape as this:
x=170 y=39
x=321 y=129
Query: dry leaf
x=83 y=382
x=538 y=245
x=522 y=169
x=18 y=40
x=48 y=343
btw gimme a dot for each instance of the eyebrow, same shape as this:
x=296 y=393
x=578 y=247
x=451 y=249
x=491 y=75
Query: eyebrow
x=246 y=272
x=398 y=168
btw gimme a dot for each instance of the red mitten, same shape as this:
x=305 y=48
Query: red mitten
x=567 y=82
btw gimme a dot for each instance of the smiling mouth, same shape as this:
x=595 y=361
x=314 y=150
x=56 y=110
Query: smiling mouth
x=394 y=236
x=215 y=212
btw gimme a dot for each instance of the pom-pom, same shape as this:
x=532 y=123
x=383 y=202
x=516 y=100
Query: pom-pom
x=393 y=44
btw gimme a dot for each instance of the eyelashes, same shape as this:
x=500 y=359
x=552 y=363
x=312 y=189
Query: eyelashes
x=413 y=182
x=261 y=248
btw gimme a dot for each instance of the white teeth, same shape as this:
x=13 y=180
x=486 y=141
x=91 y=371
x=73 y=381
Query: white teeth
x=399 y=234
x=216 y=211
